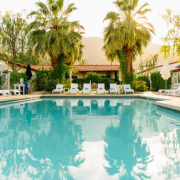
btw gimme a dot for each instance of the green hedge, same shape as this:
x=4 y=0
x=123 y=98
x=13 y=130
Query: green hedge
x=51 y=84
x=41 y=80
x=157 y=82
x=146 y=79
x=15 y=78
x=139 y=85
x=106 y=81
x=1 y=81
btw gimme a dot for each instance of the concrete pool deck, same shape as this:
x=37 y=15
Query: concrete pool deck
x=171 y=102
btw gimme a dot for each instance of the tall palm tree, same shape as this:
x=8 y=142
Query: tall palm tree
x=53 y=33
x=127 y=32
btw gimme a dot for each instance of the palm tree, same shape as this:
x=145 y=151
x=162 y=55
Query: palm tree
x=125 y=36
x=53 y=34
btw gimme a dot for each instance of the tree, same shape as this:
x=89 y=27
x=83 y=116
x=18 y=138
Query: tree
x=126 y=35
x=13 y=31
x=172 y=39
x=148 y=63
x=52 y=33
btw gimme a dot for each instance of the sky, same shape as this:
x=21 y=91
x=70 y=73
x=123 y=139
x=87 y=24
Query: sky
x=91 y=13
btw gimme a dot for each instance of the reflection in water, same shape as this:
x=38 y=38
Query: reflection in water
x=89 y=139
x=127 y=155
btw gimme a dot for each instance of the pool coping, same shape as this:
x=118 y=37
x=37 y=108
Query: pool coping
x=169 y=102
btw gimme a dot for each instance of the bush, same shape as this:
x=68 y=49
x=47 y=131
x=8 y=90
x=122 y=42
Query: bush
x=51 y=84
x=15 y=78
x=41 y=80
x=157 y=82
x=1 y=81
x=145 y=79
x=93 y=77
x=139 y=85
x=80 y=82
x=59 y=73
x=107 y=82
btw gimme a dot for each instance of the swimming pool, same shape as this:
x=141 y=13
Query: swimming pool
x=89 y=139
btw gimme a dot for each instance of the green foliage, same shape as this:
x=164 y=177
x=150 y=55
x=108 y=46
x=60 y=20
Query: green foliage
x=41 y=80
x=139 y=85
x=1 y=81
x=51 y=84
x=15 y=78
x=148 y=63
x=59 y=73
x=172 y=39
x=125 y=37
x=93 y=77
x=107 y=82
x=80 y=82
x=157 y=82
x=54 y=34
x=145 y=79
x=46 y=80
x=13 y=37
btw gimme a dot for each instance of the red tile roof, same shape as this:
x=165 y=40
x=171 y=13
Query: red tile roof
x=39 y=67
x=83 y=68
x=176 y=70
x=97 y=68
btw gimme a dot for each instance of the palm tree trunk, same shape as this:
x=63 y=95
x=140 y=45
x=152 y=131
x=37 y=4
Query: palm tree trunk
x=54 y=61
x=129 y=60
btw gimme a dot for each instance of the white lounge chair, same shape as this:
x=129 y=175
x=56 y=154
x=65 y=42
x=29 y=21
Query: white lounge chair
x=74 y=103
x=101 y=88
x=5 y=92
x=2 y=92
x=87 y=103
x=113 y=103
x=113 y=88
x=59 y=89
x=172 y=91
x=74 y=88
x=127 y=89
x=86 y=88
x=59 y=102
x=161 y=91
x=101 y=103
x=15 y=92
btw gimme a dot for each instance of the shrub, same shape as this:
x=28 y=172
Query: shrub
x=80 y=82
x=1 y=81
x=93 y=77
x=59 y=73
x=139 y=85
x=145 y=79
x=15 y=78
x=107 y=82
x=41 y=80
x=51 y=84
x=157 y=82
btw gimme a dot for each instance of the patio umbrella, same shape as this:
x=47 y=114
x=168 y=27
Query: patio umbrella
x=165 y=72
x=28 y=72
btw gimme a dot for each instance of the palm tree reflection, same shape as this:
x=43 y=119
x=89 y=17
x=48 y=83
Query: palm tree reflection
x=127 y=155
x=42 y=148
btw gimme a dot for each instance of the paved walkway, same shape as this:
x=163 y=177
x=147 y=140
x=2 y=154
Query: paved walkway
x=172 y=102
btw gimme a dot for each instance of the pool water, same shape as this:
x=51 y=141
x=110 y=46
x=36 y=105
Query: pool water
x=89 y=139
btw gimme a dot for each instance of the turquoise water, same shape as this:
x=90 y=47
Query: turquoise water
x=89 y=139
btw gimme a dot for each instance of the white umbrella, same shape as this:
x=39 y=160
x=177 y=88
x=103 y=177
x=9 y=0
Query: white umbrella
x=165 y=72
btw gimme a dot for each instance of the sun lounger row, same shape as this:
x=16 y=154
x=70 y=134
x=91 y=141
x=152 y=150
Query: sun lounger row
x=9 y=92
x=169 y=91
x=87 y=88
